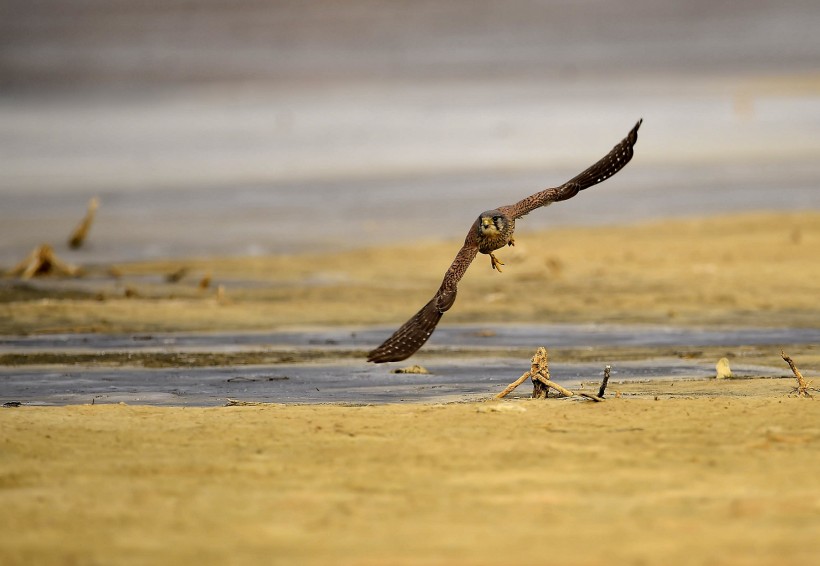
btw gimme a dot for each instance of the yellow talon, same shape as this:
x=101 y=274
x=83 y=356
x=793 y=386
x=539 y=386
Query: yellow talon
x=495 y=262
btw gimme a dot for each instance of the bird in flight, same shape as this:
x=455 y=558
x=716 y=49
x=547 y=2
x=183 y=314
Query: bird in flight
x=491 y=231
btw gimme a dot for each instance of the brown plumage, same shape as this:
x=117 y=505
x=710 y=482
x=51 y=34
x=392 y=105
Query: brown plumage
x=492 y=230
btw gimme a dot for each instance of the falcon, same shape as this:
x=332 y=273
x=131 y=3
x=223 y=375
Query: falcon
x=491 y=231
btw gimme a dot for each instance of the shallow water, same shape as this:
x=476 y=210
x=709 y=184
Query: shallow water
x=348 y=382
x=342 y=379
x=462 y=336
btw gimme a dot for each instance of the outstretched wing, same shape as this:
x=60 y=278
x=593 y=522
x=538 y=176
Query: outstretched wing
x=610 y=164
x=414 y=333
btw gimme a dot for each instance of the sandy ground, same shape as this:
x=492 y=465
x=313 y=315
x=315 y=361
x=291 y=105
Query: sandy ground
x=669 y=473
x=684 y=472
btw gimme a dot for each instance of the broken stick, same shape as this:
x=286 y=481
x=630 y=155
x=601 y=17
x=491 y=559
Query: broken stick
x=546 y=382
x=602 y=389
x=509 y=389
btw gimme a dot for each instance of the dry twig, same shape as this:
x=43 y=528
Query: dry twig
x=546 y=382
x=80 y=233
x=43 y=261
x=591 y=397
x=802 y=388
x=509 y=389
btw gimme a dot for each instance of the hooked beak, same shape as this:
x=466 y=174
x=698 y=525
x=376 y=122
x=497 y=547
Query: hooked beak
x=485 y=222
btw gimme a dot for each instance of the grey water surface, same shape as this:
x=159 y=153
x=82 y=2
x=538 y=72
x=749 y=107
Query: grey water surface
x=450 y=380
x=462 y=336
x=352 y=380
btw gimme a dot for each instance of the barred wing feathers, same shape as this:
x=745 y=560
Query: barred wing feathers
x=605 y=168
x=412 y=335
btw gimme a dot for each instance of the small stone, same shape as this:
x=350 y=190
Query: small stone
x=722 y=368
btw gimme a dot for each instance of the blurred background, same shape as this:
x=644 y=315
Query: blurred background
x=213 y=128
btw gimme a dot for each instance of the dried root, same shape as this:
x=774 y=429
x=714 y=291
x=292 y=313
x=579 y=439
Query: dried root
x=540 y=375
x=802 y=388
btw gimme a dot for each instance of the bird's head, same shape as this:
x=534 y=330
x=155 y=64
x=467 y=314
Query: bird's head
x=491 y=223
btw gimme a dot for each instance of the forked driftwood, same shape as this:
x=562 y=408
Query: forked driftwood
x=539 y=373
x=802 y=388
x=539 y=366
x=78 y=236
x=43 y=261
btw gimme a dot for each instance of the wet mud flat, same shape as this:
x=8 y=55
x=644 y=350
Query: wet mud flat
x=327 y=366
x=455 y=381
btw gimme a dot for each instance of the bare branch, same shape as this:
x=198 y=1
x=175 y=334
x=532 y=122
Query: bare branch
x=802 y=385
x=562 y=390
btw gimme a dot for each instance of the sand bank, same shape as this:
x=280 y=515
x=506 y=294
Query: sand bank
x=697 y=472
